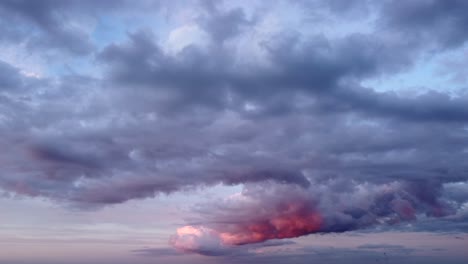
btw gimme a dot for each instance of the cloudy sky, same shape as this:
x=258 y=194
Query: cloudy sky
x=306 y=131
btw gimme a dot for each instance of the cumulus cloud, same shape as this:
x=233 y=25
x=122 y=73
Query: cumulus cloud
x=272 y=211
x=210 y=242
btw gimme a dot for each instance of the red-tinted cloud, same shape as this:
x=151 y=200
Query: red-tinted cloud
x=274 y=211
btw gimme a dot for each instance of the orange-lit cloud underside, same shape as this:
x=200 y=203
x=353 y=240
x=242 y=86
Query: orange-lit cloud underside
x=291 y=220
x=283 y=226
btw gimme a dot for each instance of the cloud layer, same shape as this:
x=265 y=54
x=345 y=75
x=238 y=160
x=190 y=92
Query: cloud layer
x=293 y=114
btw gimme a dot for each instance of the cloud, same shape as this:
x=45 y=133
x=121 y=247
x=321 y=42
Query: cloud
x=188 y=124
x=394 y=249
x=271 y=211
x=46 y=16
x=156 y=252
x=210 y=242
x=439 y=22
x=59 y=26
x=317 y=69
x=200 y=240
x=220 y=24
x=342 y=155
x=11 y=78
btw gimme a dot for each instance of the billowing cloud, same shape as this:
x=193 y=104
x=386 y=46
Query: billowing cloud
x=272 y=211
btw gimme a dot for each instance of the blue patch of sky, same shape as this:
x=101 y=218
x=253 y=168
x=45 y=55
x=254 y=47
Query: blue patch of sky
x=109 y=29
x=113 y=28
x=430 y=72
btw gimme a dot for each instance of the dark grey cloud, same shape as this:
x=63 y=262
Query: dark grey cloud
x=320 y=71
x=439 y=22
x=431 y=106
x=47 y=17
x=320 y=144
x=220 y=24
x=10 y=77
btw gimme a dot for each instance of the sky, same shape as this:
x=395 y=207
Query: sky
x=198 y=131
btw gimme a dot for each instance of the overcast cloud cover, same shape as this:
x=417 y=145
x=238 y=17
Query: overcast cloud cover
x=325 y=117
